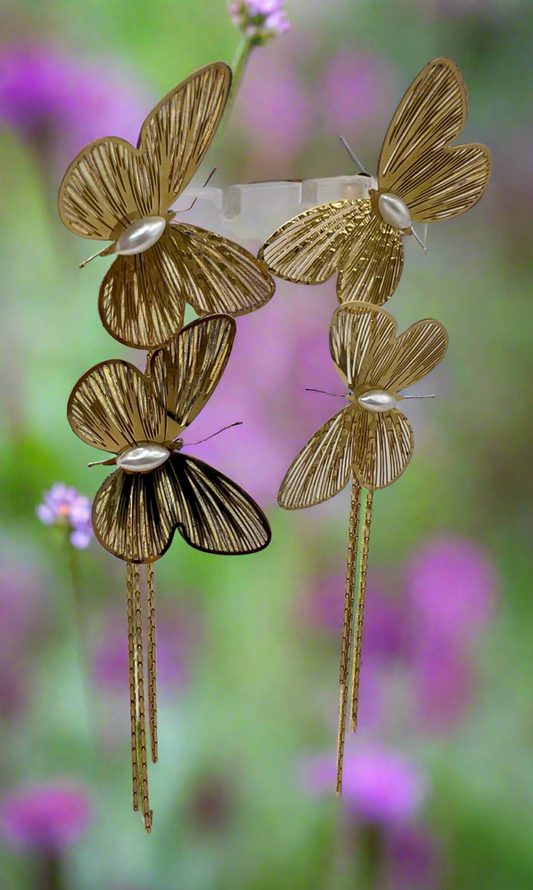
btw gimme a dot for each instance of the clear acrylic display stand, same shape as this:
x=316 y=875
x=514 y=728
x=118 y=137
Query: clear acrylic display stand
x=249 y=213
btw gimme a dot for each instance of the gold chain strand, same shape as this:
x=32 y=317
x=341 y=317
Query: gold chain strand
x=351 y=563
x=360 y=612
x=147 y=813
x=133 y=688
x=152 y=694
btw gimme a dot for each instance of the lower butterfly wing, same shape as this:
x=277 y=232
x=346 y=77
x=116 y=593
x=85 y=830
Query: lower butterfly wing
x=307 y=249
x=383 y=447
x=217 y=275
x=371 y=264
x=323 y=466
x=140 y=300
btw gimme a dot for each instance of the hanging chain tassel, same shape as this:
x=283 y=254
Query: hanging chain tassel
x=360 y=612
x=133 y=686
x=152 y=694
x=351 y=563
x=141 y=727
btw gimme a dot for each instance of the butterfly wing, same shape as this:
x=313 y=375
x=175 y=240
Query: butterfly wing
x=217 y=275
x=383 y=447
x=190 y=367
x=359 y=335
x=413 y=355
x=371 y=264
x=176 y=135
x=114 y=406
x=323 y=466
x=110 y=183
x=417 y=163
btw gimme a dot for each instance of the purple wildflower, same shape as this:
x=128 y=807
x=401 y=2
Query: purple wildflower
x=259 y=20
x=59 y=103
x=381 y=786
x=63 y=505
x=413 y=859
x=46 y=817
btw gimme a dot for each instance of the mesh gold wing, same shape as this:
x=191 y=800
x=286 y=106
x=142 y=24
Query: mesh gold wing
x=140 y=300
x=190 y=367
x=358 y=333
x=307 y=249
x=176 y=135
x=114 y=406
x=383 y=447
x=135 y=515
x=323 y=466
x=417 y=163
x=217 y=275
x=371 y=264
x=412 y=355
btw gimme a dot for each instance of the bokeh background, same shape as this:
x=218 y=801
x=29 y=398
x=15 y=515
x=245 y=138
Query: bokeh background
x=439 y=780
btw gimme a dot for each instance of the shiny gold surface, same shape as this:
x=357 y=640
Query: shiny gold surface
x=111 y=184
x=417 y=163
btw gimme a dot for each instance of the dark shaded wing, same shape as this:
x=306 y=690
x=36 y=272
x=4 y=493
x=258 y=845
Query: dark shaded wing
x=323 y=466
x=417 y=163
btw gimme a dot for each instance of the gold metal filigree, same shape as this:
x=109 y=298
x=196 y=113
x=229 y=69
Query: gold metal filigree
x=434 y=180
x=370 y=446
x=110 y=185
x=116 y=408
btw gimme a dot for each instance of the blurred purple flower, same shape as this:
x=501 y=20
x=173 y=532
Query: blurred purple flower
x=281 y=350
x=59 y=103
x=443 y=682
x=380 y=786
x=452 y=585
x=275 y=113
x=356 y=91
x=63 y=505
x=259 y=20
x=413 y=860
x=46 y=817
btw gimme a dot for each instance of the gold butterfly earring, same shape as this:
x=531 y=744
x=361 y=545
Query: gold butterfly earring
x=421 y=178
x=157 y=489
x=370 y=442
x=113 y=191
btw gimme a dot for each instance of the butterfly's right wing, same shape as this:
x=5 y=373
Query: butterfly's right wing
x=323 y=466
x=343 y=236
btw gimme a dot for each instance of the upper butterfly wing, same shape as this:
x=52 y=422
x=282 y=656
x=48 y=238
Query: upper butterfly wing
x=190 y=367
x=323 y=466
x=178 y=132
x=217 y=275
x=307 y=249
x=106 y=186
x=412 y=355
x=417 y=163
x=114 y=406
x=359 y=335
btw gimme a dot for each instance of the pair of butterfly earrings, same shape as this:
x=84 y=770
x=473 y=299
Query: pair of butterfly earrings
x=115 y=192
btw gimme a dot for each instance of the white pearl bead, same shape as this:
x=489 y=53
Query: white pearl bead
x=377 y=401
x=394 y=211
x=143 y=458
x=141 y=235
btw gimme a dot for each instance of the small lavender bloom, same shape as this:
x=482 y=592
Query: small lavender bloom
x=380 y=786
x=452 y=584
x=413 y=859
x=45 y=817
x=64 y=505
x=356 y=92
x=259 y=20
x=443 y=682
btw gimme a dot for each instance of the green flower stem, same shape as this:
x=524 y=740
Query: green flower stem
x=238 y=67
x=80 y=623
x=370 y=858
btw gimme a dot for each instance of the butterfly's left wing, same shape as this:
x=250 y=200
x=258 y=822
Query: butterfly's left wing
x=188 y=370
x=135 y=515
x=383 y=447
x=417 y=163
x=177 y=133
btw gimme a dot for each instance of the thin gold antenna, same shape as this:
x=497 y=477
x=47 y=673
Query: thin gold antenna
x=141 y=719
x=339 y=395
x=353 y=156
x=152 y=694
x=351 y=563
x=360 y=612
x=93 y=257
x=419 y=240
x=133 y=686
x=206 y=183
x=212 y=436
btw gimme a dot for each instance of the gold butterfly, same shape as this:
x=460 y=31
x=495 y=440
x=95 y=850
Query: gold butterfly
x=157 y=489
x=113 y=191
x=421 y=178
x=369 y=441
